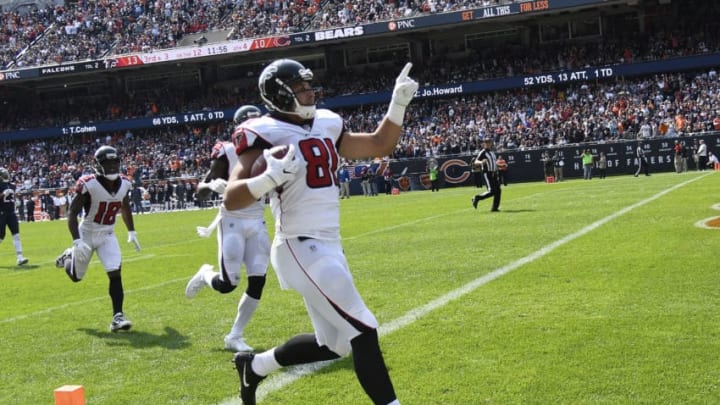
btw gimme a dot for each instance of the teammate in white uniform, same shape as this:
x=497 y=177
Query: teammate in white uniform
x=306 y=252
x=102 y=196
x=242 y=238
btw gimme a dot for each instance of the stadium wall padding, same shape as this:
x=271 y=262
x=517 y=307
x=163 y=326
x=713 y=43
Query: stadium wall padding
x=527 y=165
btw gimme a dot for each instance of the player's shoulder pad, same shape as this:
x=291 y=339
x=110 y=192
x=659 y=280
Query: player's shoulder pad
x=255 y=133
x=329 y=122
x=325 y=114
x=85 y=179
x=219 y=149
x=82 y=181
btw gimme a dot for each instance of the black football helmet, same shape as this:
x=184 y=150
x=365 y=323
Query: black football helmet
x=275 y=84
x=245 y=112
x=107 y=162
x=4 y=175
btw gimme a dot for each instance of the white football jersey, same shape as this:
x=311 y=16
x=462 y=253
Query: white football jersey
x=309 y=204
x=256 y=210
x=105 y=206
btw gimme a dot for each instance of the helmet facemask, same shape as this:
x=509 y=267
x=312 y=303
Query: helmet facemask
x=305 y=112
x=107 y=163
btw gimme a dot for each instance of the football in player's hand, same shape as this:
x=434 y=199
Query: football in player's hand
x=260 y=164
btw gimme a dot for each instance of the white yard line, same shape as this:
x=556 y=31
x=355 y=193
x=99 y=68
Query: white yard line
x=292 y=374
x=87 y=301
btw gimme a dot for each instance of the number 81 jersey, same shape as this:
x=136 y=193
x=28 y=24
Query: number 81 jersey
x=105 y=206
x=308 y=205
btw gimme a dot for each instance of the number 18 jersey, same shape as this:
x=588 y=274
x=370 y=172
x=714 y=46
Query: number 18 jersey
x=105 y=206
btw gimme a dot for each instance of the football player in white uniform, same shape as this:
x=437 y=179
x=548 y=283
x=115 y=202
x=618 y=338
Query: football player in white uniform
x=306 y=252
x=242 y=238
x=100 y=198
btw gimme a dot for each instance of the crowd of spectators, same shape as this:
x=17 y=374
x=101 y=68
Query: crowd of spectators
x=544 y=116
x=656 y=106
x=268 y=18
x=90 y=30
x=18 y=31
x=180 y=152
x=82 y=30
x=490 y=62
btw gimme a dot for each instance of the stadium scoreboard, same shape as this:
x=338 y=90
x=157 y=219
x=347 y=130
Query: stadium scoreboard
x=568 y=76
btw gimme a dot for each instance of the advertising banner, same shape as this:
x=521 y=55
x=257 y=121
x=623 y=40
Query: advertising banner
x=528 y=165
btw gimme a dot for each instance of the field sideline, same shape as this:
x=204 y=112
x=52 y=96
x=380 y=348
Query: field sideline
x=603 y=291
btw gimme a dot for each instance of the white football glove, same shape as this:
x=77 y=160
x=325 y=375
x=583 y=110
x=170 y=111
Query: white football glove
x=81 y=251
x=277 y=173
x=280 y=171
x=405 y=87
x=218 y=185
x=132 y=237
x=203 y=232
x=403 y=93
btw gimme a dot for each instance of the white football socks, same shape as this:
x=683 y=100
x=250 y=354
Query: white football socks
x=246 y=309
x=264 y=363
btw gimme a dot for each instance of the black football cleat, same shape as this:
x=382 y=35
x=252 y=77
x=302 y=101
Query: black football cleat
x=60 y=261
x=475 y=202
x=249 y=381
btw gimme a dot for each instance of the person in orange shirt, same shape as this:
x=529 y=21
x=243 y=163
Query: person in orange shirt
x=175 y=165
x=502 y=170
x=680 y=122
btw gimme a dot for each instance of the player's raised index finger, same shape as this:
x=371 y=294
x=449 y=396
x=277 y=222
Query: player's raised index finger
x=404 y=72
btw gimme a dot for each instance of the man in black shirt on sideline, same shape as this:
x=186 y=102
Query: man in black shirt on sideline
x=8 y=216
x=643 y=166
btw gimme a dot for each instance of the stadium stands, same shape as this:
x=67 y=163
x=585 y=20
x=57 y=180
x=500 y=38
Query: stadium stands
x=662 y=104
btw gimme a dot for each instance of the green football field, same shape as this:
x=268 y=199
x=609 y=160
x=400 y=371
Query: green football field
x=581 y=292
